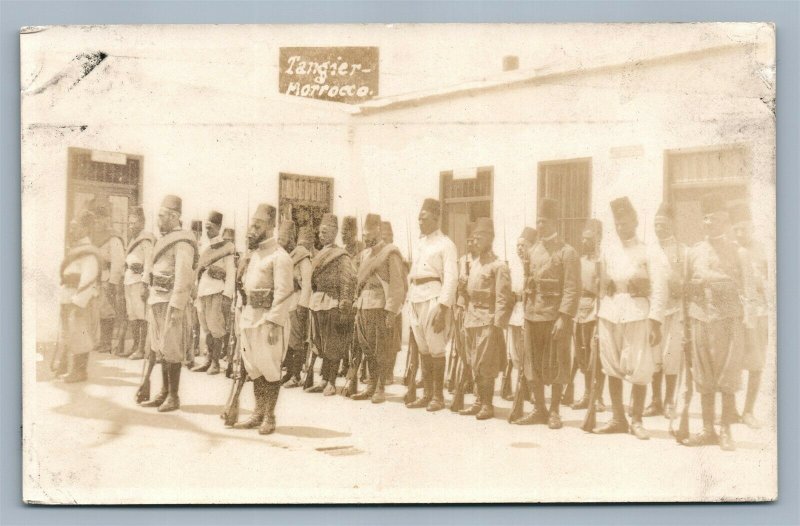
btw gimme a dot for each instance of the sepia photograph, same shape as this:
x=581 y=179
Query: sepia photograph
x=399 y=263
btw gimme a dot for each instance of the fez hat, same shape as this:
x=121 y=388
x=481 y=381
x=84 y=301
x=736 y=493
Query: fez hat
x=197 y=225
x=739 y=213
x=386 y=227
x=548 y=209
x=330 y=220
x=172 y=202
x=529 y=234
x=84 y=218
x=372 y=221
x=264 y=212
x=287 y=228
x=349 y=224
x=712 y=202
x=229 y=233
x=432 y=205
x=215 y=217
x=622 y=207
x=665 y=210
x=593 y=228
x=484 y=225
x=305 y=235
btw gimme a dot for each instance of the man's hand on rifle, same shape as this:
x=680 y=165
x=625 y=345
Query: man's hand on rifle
x=655 y=332
x=440 y=318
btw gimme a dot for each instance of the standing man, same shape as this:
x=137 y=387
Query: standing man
x=395 y=340
x=669 y=354
x=354 y=247
x=486 y=318
x=215 y=289
x=229 y=235
x=525 y=242
x=433 y=280
x=552 y=293
x=379 y=293
x=464 y=263
x=192 y=341
x=756 y=337
x=718 y=280
x=174 y=260
x=298 y=305
x=268 y=287
x=633 y=292
x=137 y=262
x=80 y=285
x=112 y=250
x=586 y=319
x=331 y=304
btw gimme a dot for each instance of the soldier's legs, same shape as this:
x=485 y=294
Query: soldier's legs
x=755 y=356
x=610 y=339
x=535 y=335
x=156 y=327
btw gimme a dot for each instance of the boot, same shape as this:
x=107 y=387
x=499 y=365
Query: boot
x=288 y=363
x=61 y=368
x=539 y=414
x=367 y=393
x=554 y=420
x=753 y=384
x=123 y=332
x=638 y=395
x=437 y=400
x=726 y=442
x=475 y=408
x=162 y=395
x=273 y=389
x=618 y=422
x=380 y=394
x=260 y=392
x=669 y=396
x=486 y=386
x=77 y=370
x=209 y=346
x=140 y=353
x=655 y=408
x=323 y=373
x=708 y=437
x=213 y=352
x=172 y=402
x=427 y=383
x=106 y=333
x=330 y=388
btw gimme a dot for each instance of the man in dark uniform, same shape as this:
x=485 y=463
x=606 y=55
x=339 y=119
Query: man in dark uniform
x=380 y=293
x=516 y=323
x=172 y=279
x=331 y=304
x=298 y=307
x=459 y=309
x=489 y=306
x=552 y=294
x=756 y=337
x=718 y=278
x=395 y=339
x=112 y=299
x=137 y=261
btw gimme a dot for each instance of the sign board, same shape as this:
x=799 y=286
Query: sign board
x=338 y=74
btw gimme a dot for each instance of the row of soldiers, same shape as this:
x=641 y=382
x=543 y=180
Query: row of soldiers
x=655 y=312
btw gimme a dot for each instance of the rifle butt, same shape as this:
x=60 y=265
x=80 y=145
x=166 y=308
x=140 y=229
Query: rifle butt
x=232 y=411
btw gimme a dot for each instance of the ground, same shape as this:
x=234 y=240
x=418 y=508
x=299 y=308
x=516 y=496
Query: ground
x=90 y=443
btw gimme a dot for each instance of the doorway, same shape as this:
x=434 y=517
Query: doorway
x=465 y=199
x=570 y=183
x=305 y=199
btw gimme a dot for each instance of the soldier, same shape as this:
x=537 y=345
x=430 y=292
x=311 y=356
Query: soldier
x=298 y=306
x=229 y=235
x=552 y=295
x=525 y=242
x=192 y=340
x=756 y=337
x=354 y=247
x=633 y=288
x=80 y=286
x=586 y=318
x=668 y=354
x=459 y=309
x=433 y=280
x=332 y=287
x=396 y=337
x=215 y=289
x=379 y=293
x=718 y=278
x=137 y=263
x=174 y=260
x=112 y=250
x=268 y=287
x=489 y=306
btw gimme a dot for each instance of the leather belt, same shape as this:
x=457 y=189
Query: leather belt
x=422 y=281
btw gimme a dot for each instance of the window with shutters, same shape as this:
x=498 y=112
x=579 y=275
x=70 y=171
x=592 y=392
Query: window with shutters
x=570 y=183
x=304 y=199
x=465 y=196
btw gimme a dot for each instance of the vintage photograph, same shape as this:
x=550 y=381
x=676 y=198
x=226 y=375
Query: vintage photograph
x=428 y=263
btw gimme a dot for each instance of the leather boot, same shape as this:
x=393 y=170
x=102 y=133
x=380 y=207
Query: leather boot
x=427 y=383
x=214 y=352
x=330 y=387
x=380 y=394
x=367 y=393
x=288 y=364
x=638 y=395
x=554 y=420
x=475 y=408
x=486 y=385
x=272 y=391
x=753 y=384
x=260 y=393
x=173 y=402
x=209 y=346
x=726 y=442
x=655 y=408
x=437 y=400
x=323 y=373
x=707 y=437
x=618 y=422
x=539 y=413
x=77 y=370
x=162 y=395
x=139 y=337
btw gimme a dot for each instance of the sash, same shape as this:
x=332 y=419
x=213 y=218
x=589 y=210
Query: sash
x=74 y=254
x=371 y=264
x=143 y=236
x=299 y=254
x=326 y=256
x=167 y=241
x=214 y=253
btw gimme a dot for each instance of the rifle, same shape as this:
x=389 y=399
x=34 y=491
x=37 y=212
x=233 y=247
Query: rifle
x=505 y=385
x=412 y=354
x=590 y=419
x=522 y=393
x=231 y=413
x=351 y=385
x=685 y=371
x=143 y=393
x=311 y=359
x=452 y=365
